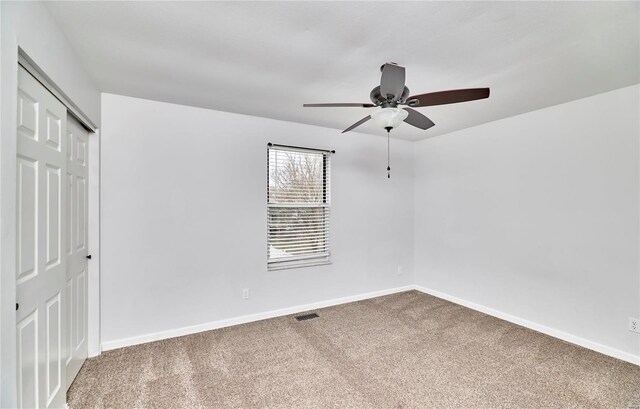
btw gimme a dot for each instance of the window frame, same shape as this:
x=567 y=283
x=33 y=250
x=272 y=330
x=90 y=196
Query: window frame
x=312 y=259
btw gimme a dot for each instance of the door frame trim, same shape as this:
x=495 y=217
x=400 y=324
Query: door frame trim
x=93 y=239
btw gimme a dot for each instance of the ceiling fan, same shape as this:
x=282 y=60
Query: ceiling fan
x=393 y=93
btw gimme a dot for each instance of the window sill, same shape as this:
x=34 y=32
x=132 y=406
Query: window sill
x=287 y=266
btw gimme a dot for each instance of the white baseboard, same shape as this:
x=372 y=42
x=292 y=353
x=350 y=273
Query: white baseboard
x=156 y=336
x=594 y=346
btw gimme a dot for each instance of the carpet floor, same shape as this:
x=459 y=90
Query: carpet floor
x=407 y=350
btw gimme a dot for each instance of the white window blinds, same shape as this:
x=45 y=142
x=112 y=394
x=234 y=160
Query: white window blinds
x=298 y=199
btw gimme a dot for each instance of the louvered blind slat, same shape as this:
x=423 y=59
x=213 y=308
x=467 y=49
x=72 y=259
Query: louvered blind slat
x=298 y=202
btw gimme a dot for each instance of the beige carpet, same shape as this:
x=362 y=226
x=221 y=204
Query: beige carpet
x=407 y=350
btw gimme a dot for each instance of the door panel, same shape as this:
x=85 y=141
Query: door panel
x=54 y=129
x=53 y=347
x=77 y=237
x=27 y=116
x=81 y=214
x=53 y=216
x=27 y=218
x=69 y=327
x=81 y=310
x=69 y=214
x=28 y=361
x=41 y=229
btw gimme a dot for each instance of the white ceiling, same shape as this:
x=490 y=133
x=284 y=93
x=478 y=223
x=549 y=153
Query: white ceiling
x=268 y=58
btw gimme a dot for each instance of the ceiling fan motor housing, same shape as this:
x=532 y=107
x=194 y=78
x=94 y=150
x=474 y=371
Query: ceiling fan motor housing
x=378 y=99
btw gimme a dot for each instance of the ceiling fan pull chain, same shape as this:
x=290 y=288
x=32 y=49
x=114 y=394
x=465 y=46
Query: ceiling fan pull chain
x=388 y=166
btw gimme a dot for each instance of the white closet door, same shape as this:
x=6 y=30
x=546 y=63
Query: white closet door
x=76 y=245
x=41 y=262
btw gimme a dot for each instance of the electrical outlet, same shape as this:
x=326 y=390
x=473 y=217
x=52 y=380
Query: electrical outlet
x=634 y=324
x=245 y=294
x=399 y=270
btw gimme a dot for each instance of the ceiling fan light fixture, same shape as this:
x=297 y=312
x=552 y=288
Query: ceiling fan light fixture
x=389 y=117
x=392 y=92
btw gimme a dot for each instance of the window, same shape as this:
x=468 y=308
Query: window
x=298 y=201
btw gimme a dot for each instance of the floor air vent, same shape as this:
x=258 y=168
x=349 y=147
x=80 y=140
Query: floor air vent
x=307 y=317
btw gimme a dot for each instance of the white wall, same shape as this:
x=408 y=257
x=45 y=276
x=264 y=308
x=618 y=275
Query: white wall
x=537 y=216
x=27 y=25
x=184 y=217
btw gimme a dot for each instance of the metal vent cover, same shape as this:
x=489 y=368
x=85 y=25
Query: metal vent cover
x=307 y=317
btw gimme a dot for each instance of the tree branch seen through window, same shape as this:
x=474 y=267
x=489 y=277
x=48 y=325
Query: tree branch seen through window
x=298 y=207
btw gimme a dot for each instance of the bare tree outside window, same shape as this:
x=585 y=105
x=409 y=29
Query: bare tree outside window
x=298 y=202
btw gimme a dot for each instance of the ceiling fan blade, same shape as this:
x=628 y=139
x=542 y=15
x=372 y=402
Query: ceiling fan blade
x=417 y=119
x=392 y=81
x=340 y=104
x=357 y=124
x=449 y=97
